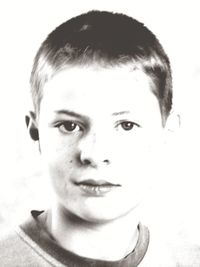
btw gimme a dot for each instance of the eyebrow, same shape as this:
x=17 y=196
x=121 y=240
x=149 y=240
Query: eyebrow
x=70 y=113
x=120 y=113
x=77 y=115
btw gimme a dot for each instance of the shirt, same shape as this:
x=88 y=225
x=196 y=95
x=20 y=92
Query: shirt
x=31 y=245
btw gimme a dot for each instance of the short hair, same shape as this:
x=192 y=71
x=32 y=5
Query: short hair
x=108 y=39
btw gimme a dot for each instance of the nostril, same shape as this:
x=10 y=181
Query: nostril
x=106 y=161
x=92 y=162
x=86 y=162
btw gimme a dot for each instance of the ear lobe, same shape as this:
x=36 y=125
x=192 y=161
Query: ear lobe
x=31 y=124
x=173 y=122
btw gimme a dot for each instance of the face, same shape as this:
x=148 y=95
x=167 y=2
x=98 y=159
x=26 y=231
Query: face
x=99 y=131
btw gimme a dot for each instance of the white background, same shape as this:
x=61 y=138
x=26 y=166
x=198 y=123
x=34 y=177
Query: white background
x=23 y=26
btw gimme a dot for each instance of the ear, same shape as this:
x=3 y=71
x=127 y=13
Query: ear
x=32 y=126
x=173 y=122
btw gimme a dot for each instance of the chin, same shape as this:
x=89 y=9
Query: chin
x=99 y=218
x=105 y=215
x=99 y=211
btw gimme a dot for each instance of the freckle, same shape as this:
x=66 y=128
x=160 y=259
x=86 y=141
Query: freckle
x=71 y=161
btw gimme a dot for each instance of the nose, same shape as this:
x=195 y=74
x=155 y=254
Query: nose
x=93 y=151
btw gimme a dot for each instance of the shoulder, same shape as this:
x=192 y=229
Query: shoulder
x=11 y=247
x=17 y=249
x=185 y=253
x=28 y=245
x=9 y=240
x=174 y=253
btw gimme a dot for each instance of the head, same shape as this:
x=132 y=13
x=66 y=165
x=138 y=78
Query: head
x=102 y=91
x=108 y=40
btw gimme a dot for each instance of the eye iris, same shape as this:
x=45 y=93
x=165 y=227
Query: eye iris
x=127 y=125
x=70 y=126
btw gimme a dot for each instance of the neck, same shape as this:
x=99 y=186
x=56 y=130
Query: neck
x=110 y=241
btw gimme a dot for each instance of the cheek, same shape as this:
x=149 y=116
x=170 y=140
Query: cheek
x=59 y=169
x=58 y=159
x=132 y=149
x=136 y=159
x=55 y=148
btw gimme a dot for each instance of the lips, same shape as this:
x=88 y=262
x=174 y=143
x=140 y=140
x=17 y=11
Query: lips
x=96 y=187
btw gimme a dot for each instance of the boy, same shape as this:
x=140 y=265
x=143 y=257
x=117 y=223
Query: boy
x=102 y=93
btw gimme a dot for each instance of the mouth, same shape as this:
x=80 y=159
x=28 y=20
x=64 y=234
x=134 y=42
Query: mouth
x=97 y=187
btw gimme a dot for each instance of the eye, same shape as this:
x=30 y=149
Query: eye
x=69 y=127
x=128 y=125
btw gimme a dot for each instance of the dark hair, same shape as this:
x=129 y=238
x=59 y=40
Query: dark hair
x=108 y=39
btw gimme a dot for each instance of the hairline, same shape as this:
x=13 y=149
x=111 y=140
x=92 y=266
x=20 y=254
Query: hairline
x=131 y=64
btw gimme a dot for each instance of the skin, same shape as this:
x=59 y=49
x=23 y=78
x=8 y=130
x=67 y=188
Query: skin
x=99 y=124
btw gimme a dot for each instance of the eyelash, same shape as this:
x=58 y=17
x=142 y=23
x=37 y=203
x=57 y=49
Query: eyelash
x=125 y=125
x=66 y=124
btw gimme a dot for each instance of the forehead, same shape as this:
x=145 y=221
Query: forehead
x=88 y=89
